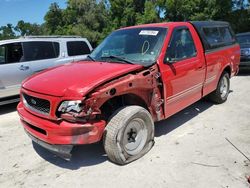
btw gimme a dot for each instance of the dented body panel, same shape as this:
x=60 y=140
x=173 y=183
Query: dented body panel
x=144 y=84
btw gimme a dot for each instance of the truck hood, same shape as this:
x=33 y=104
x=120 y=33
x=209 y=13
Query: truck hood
x=76 y=79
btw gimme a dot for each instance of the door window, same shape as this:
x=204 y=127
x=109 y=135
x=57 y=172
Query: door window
x=40 y=50
x=77 y=48
x=13 y=52
x=181 y=46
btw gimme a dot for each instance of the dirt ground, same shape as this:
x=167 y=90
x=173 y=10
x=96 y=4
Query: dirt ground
x=191 y=150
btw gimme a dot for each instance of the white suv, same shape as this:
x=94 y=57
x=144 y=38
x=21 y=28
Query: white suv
x=20 y=58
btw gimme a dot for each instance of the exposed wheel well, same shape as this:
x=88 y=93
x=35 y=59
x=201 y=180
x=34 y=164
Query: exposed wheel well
x=110 y=106
x=228 y=70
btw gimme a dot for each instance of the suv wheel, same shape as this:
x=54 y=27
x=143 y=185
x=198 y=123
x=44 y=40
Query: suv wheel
x=129 y=134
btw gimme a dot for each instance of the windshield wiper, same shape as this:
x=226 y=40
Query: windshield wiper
x=91 y=58
x=119 y=58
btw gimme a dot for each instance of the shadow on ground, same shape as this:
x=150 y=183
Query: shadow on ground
x=89 y=155
x=85 y=155
x=8 y=108
x=175 y=121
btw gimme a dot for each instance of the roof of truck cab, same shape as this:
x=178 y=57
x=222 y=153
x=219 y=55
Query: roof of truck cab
x=172 y=24
x=163 y=24
x=209 y=23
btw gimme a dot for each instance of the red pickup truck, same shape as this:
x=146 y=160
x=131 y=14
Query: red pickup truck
x=137 y=76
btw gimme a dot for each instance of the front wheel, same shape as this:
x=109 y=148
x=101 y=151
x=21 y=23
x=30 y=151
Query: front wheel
x=129 y=134
x=221 y=93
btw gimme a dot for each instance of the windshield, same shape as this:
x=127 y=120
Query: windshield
x=137 y=45
x=244 y=39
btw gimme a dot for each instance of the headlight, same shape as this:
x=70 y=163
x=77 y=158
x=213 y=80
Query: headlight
x=70 y=106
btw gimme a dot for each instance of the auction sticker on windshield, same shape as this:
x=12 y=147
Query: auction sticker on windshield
x=148 y=32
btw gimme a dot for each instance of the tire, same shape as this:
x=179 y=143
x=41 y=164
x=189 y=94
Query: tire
x=220 y=95
x=128 y=135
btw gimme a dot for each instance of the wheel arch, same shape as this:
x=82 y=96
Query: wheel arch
x=116 y=102
x=228 y=70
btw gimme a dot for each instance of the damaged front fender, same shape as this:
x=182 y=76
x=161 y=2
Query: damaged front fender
x=145 y=84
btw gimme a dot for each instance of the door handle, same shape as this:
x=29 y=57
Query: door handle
x=24 y=68
x=199 y=67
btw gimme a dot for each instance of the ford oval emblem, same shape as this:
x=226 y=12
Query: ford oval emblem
x=33 y=101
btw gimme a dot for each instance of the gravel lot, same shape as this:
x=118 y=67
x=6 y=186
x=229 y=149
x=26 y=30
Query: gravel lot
x=191 y=150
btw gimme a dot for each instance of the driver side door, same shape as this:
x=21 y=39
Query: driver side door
x=183 y=71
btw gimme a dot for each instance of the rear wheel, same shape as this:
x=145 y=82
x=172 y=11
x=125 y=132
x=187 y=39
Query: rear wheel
x=129 y=134
x=221 y=93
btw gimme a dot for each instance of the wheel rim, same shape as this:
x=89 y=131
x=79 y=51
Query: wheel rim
x=135 y=136
x=224 y=87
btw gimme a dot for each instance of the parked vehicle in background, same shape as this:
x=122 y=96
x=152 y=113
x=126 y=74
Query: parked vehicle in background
x=20 y=58
x=135 y=77
x=244 y=41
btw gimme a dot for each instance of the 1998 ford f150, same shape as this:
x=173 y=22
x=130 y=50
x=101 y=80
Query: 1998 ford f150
x=138 y=75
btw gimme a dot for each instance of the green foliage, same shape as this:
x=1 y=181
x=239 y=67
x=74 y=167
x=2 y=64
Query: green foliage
x=6 y=32
x=53 y=18
x=181 y=10
x=94 y=19
x=25 y=28
x=81 y=17
x=149 y=15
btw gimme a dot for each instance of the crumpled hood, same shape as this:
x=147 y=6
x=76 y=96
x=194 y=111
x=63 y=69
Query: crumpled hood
x=76 y=79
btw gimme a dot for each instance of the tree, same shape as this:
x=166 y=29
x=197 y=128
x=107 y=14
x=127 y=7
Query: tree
x=86 y=18
x=183 y=10
x=149 y=14
x=6 y=32
x=25 y=28
x=53 y=18
x=95 y=19
x=125 y=12
x=240 y=16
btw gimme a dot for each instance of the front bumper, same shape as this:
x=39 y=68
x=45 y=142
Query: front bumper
x=60 y=132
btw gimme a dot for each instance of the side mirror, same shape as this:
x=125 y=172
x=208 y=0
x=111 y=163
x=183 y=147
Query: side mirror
x=169 y=60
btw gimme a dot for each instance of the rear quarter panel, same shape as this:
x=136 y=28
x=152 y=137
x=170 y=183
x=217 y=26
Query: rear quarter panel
x=217 y=60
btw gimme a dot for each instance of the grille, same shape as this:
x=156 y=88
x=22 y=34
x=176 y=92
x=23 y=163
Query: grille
x=36 y=104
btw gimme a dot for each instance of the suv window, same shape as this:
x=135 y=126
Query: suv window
x=40 y=50
x=2 y=54
x=11 y=53
x=181 y=46
x=77 y=48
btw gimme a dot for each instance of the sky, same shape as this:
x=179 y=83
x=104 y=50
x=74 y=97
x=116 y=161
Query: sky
x=33 y=11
